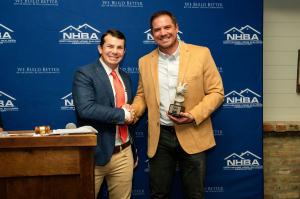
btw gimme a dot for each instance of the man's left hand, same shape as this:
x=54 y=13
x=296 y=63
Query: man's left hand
x=183 y=119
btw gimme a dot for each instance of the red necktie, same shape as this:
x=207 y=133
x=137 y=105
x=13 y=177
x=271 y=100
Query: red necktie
x=120 y=101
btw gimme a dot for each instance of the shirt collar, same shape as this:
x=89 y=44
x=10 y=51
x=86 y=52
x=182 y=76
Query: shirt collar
x=107 y=69
x=175 y=55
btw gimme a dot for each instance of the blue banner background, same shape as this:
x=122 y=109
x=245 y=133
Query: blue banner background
x=42 y=42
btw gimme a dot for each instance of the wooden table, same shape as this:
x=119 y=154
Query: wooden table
x=47 y=167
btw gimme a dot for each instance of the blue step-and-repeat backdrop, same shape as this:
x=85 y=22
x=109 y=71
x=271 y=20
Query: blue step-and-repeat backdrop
x=42 y=42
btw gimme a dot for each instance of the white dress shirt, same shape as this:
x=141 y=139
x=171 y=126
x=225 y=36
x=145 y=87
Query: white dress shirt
x=108 y=71
x=168 y=67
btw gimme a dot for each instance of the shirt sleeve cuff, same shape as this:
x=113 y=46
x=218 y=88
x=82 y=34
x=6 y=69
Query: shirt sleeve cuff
x=127 y=114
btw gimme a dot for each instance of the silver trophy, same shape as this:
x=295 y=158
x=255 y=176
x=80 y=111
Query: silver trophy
x=178 y=107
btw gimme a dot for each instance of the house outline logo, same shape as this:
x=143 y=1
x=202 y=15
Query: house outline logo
x=149 y=38
x=246 y=35
x=6 y=35
x=245 y=161
x=244 y=99
x=68 y=103
x=7 y=104
x=83 y=34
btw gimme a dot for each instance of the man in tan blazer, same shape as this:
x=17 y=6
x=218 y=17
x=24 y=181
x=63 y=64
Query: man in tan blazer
x=176 y=140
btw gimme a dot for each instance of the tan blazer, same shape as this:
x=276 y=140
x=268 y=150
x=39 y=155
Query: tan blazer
x=204 y=95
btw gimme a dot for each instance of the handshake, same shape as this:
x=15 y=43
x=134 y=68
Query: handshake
x=130 y=114
x=181 y=118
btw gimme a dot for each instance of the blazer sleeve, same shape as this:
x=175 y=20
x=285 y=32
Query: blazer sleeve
x=90 y=106
x=213 y=90
x=139 y=102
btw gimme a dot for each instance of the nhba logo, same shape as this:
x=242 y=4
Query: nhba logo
x=7 y=102
x=245 y=161
x=84 y=34
x=150 y=40
x=6 y=35
x=244 y=99
x=68 y=103
x=246 y=35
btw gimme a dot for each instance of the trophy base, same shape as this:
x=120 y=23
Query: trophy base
x=174 y=110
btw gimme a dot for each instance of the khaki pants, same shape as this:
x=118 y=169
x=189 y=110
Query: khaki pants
x=118 y=173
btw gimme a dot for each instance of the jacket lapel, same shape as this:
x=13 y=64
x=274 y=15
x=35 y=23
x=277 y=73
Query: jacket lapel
x=127 y=85
x=154 y=73
x=183 y=61
x=101 y=74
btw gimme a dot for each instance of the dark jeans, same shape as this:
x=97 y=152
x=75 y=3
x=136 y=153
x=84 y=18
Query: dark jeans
x=163 y=166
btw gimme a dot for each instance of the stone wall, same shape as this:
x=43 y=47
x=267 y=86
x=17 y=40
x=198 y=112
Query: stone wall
x=281 y=160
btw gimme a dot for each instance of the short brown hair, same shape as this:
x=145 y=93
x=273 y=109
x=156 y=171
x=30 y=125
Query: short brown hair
x=160 y=13
x=115 y=33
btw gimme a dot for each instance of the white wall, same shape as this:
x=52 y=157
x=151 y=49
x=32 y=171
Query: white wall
x=281 y=44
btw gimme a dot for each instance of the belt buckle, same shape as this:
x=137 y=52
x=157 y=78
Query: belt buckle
x=121 y=148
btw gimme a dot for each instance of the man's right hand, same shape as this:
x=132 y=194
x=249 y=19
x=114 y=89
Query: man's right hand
x=129 y=118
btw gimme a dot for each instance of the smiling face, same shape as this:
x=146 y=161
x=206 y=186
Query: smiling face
x=164 y=32
x=112 y=51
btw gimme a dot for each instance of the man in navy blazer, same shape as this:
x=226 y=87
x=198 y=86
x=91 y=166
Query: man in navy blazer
x=94 y=95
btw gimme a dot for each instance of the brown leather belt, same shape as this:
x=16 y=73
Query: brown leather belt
x=121 y=147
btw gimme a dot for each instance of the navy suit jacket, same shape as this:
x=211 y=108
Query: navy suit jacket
x=95 y=106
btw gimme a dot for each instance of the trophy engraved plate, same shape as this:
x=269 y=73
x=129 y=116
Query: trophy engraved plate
x=177 y=107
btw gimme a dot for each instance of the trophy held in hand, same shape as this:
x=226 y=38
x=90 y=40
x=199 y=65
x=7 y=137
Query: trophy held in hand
x=178 y=107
